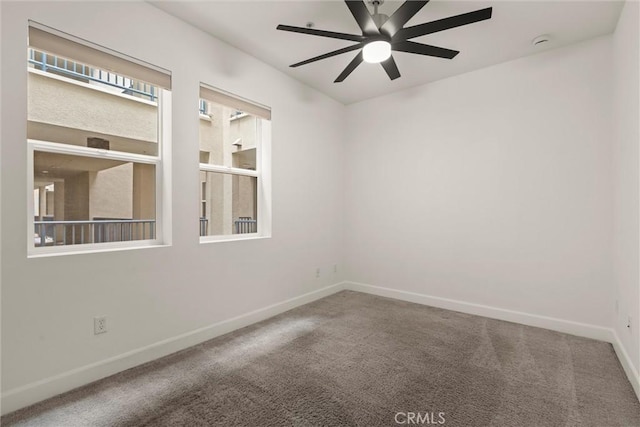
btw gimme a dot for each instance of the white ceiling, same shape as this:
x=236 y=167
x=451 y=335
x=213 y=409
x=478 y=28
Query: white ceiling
x=251 y=26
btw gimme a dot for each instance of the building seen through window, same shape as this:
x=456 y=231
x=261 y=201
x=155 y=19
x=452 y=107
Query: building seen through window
x=94 y=141
x=230 y=141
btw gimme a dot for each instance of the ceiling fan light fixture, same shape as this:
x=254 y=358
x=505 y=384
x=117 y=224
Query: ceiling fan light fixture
x=376 y=52
x=380 y=31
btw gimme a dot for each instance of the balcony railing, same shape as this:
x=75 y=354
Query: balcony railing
x=54 y=233
x=204 y=107
x=78 y=71
x=245 y=225
x=204 y=226
x=61 y=233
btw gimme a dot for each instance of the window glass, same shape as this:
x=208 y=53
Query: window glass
x=74 y=103
x=234 y=137
x=79 y=200
x=229 y=138
x=95 y=144
x=229 y=204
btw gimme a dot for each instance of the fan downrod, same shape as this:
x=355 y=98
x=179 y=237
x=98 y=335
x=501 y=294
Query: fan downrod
x=378 y=18
x=381 y=34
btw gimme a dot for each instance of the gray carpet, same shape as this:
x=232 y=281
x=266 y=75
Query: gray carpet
x=358 y=360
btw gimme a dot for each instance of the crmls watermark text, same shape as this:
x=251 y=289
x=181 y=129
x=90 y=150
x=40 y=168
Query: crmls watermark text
x=428 y=418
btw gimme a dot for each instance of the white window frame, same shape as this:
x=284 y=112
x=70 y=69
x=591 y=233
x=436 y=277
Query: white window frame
x=263 y=186
x=162 y=187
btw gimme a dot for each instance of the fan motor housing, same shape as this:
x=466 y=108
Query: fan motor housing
x=382 y=34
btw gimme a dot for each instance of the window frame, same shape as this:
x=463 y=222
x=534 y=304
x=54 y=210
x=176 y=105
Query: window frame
x=162 y=185
x=262 y=173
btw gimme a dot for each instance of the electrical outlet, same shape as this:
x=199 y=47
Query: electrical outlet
x=629 y=322
x=318 y=273
x=99 y=325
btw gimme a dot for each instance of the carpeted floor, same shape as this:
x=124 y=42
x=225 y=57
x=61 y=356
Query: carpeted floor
x=358 y=360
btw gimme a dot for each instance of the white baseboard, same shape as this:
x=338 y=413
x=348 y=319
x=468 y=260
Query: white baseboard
x=626 y=363
x=560 y=325
x=554 y=324
x=34 y=392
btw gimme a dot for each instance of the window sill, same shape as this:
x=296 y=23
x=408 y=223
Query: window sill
x=52 y=251
x=232 y=238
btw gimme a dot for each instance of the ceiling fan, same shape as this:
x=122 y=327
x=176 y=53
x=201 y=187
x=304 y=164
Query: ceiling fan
x=382 y=34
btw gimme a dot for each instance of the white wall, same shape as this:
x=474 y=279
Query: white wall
x=149 y=295
x=491 y=188
x=626 y=139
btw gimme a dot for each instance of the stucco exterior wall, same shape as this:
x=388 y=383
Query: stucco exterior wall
x=61 y=102
x=76 y=200
x=211 y=132
x=111 y=192
x=143 y=191
x=245 y=128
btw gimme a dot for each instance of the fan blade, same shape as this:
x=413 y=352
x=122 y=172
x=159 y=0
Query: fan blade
x=424 y=49
x=328 y=55
x=401 y=17
x=352 y=66
x=391 y=68
x=321 y=33
x=363 y=17
x=443 y=24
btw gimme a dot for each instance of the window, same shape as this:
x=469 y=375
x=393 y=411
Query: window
x=234 y=167
x=97 y=132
